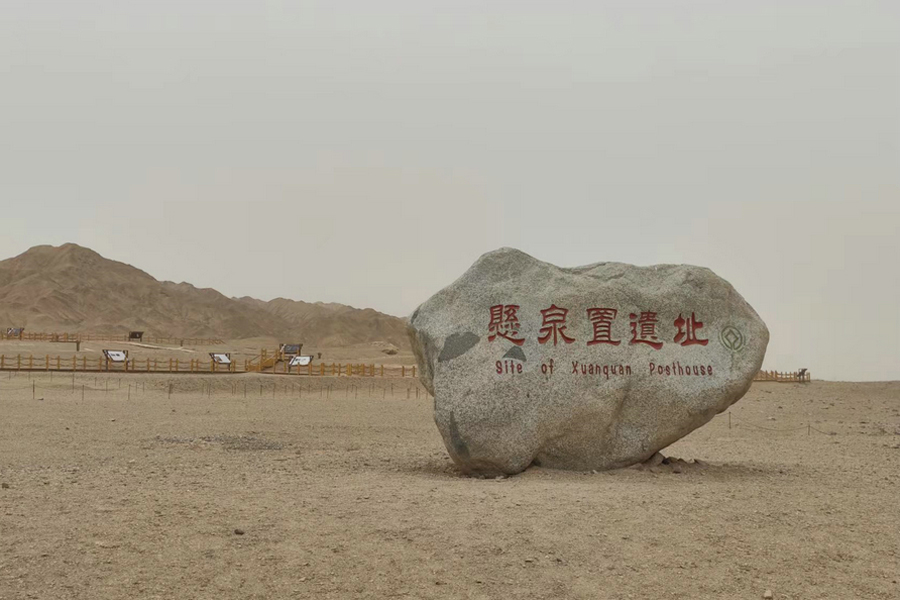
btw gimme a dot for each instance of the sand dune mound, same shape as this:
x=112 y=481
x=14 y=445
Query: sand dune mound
x=71 y=288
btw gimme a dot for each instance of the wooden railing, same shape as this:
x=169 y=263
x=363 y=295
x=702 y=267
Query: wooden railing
x=27 y=336
x=789 y=377
x=194 y=365
x=334 y=369
x=100 y=363
x=265 y=360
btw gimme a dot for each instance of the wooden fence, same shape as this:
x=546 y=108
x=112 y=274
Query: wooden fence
x=336 y=370
x=194 y=365
x=790 y=377
x=26 y=336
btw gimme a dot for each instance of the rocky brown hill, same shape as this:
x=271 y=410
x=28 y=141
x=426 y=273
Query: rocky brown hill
x=73 y=289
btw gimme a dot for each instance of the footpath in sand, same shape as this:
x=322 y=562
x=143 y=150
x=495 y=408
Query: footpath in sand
x=342 y=489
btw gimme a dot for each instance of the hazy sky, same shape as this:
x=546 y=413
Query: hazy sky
x=369 y=152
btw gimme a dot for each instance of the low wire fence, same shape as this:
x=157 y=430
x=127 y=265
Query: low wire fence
x=194 y=365
x=80 y=385
x=735 y=423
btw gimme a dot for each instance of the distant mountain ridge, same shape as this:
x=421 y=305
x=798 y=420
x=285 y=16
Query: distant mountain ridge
x=74 y=289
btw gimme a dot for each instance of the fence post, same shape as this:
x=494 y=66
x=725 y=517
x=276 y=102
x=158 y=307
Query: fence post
x=414 y=371
x=402 y=370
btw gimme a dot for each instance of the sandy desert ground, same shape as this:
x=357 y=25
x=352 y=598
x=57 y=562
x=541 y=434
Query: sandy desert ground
x=348 y=493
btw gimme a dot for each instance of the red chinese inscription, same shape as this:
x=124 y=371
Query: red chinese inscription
x=601 y=319
x=505 y=323
x=643 y=329
x=554 y=325
x=687 y=331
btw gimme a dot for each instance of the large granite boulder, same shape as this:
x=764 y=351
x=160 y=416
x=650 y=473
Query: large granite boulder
x=593 y=367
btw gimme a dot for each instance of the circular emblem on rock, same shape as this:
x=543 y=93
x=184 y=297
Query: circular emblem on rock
x=732 y=338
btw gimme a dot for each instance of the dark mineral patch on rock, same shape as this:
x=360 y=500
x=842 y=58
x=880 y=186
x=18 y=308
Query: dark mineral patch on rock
x=456 y=345
x=516 y=353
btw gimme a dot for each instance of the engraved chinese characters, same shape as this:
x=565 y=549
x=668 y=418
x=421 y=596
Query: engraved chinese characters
x=591 y=367
x=554 y=324
x=644 y=330
x=505 y=323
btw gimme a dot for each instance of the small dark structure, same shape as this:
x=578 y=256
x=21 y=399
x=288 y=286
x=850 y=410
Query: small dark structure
x=289 y=351
x=136 y=336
